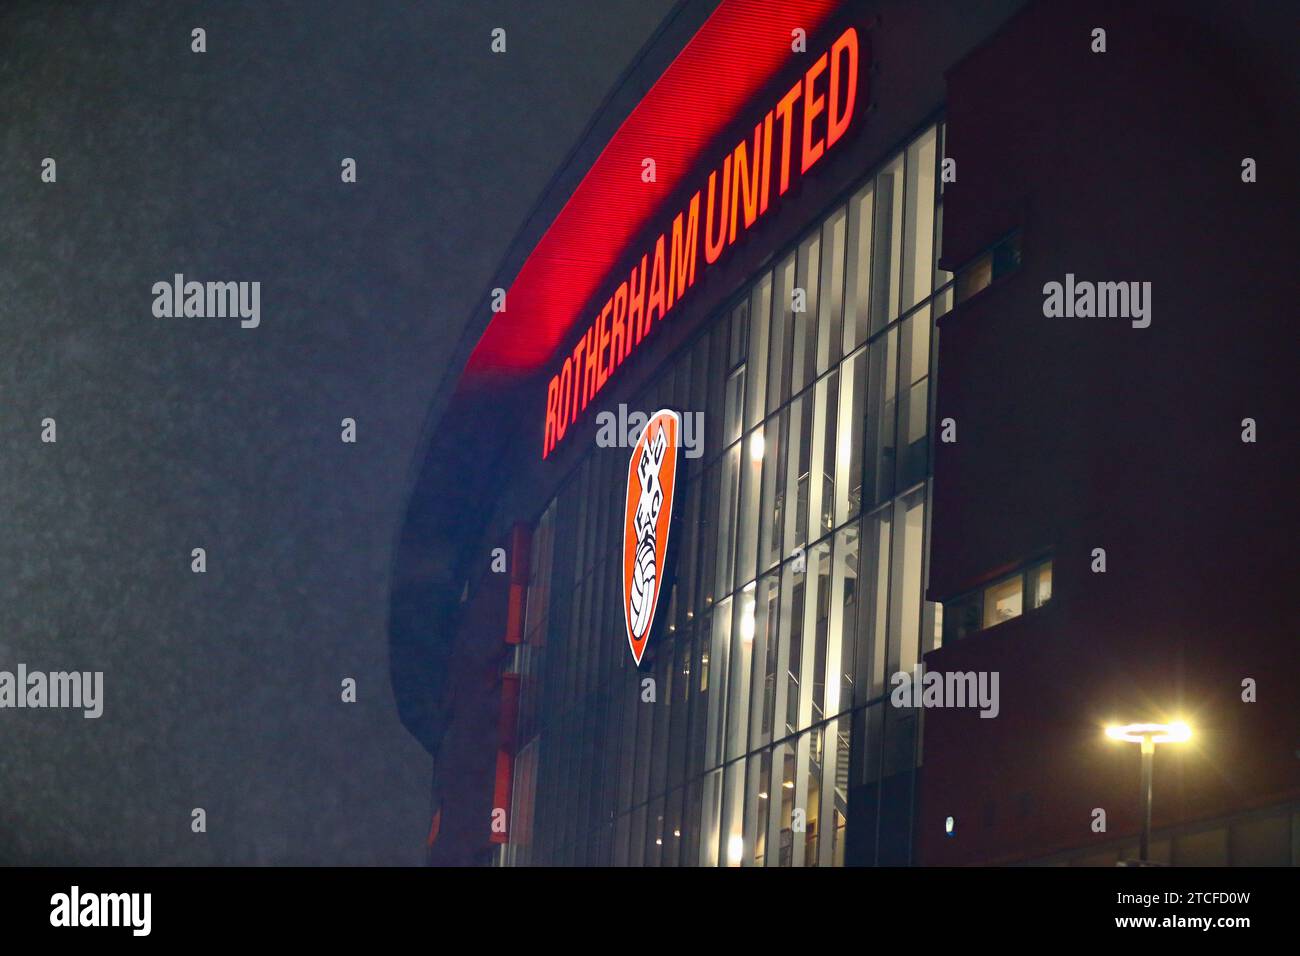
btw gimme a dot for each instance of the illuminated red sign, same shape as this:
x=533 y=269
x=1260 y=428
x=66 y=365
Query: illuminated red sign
x=647 y=520
x=791 y=138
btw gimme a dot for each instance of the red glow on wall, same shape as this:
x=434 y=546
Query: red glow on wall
x=805 y=122
x=738 y=49
x=504 y=779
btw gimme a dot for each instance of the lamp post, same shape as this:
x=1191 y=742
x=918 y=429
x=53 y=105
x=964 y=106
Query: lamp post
x=1148 y=735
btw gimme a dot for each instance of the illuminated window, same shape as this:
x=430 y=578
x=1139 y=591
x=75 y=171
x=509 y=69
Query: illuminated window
x=1040 y=584
x=989 y=266
x=1003 y=601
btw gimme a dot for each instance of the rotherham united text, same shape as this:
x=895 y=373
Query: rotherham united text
x=787 y=142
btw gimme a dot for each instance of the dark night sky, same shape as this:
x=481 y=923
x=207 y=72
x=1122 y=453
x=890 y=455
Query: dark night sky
x=222 y=690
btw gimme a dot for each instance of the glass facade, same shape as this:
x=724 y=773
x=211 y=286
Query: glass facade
x=757 y=730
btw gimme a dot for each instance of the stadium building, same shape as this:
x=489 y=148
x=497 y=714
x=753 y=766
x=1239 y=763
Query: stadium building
x=768 y=413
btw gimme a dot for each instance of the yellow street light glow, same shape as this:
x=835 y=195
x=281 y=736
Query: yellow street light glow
x=1174 y=733
x=1148 y=735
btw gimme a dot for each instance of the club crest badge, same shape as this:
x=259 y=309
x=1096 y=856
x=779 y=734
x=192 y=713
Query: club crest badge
x=651 y=481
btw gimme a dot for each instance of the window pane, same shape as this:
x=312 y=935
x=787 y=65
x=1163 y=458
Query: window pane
x=757 y=807
x=812 y=668
x=811 y=793
x=708 y=538
x=784 y=768
x=943 y=302
x=1002 y=601
x=803 y=347
x=699 y=376
x=692 y=817
x=1042 y=584
x=915 y=360
x=943 y=149
x=839 y=642
x=620 y=841
x=752 y=454
x=654 y=835
x=761 y=321
x=720 y=646
x=735 y=401
x=941 y=276
x=828 y=621
x=857 y=291
x=644 y=738
x=733 y=818
x=835 y=796
x=872 y=741
x=798 y=453
x=882 y=383
x=739 y=349
x=770 y=527
x=778 y=365
x=685 y=587
x=728 y=492
x=581 y=518
x=664 y=674
x=763 y=697
x=931 y=626
x=714 y=411
x=672 y=846
x=914 y=450
x=680 y=391
x=879 y=528
x=742 y=653
x=905 y=616
x=821 y=485
x=696 y=749
x=800 y=840
x=710 y=810
x=898 y=753
x=680 y=706
x=627 y=741
x=829 y=331
x=887 y=246
x=790 y=649
x=848 y=443
x=918 y=260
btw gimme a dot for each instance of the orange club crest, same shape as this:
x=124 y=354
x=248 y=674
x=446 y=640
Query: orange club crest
x=651 y=482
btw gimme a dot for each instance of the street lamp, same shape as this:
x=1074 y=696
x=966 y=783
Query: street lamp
x=1148 y=735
